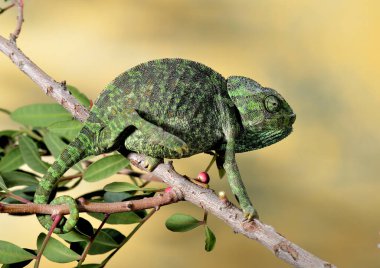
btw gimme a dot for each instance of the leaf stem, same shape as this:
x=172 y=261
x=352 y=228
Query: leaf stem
x=211 y=162
x=18 y=198
x=57 y=219
x=31 y=134
x=147 y=217
x=2 y=10
x=2 y=109
x=92 y=239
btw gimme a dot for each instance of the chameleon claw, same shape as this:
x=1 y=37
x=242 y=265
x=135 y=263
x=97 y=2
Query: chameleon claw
x=250 y=214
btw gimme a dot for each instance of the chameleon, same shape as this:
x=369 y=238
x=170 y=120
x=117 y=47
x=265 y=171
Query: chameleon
x=174 y=108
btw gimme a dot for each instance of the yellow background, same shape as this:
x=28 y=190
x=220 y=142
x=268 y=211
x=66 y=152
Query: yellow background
x=319 y=187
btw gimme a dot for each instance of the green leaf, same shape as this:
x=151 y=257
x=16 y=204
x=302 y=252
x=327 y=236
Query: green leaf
x=181 y=223
x=118 y=218
x=11 y=253
x=103 y=243
x=3 y=185
x=24 y=193
x=40 y=115
x=56 y=145
x=68 y=129
x=56 y=251
x=17 y=178
x=84 y=227
x=91 y=265
x=115 y=234
x=79 y=95
x=11 y=160
x=31 y=156
x=105 y=167
x=116 y=197
x=8 y=133
x=118 y=187
x=210 y=239
x=74 y=236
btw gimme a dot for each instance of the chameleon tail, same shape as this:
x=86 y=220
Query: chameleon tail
x=73 y=153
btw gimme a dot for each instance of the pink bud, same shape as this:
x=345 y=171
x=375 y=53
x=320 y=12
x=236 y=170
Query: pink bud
x=203 y=177
x=168 y=189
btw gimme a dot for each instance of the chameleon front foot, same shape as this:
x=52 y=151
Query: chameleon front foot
x=151 y=163
x=250 y=213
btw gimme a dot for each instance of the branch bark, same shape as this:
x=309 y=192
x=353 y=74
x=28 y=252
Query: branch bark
x=204 y=198
x=156 y=201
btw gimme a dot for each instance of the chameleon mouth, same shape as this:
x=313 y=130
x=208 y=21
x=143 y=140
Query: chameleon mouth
x=276 y=136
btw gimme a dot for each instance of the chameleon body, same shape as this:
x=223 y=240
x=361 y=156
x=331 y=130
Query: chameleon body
x=174 y=108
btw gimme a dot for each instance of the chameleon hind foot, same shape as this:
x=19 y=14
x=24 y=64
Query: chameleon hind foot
x=151 y=163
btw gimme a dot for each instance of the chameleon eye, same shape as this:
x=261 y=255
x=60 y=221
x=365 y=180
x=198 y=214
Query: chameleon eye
x=272 y=104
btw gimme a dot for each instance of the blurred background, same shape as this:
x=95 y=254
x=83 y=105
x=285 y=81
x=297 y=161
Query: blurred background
x=319 y=187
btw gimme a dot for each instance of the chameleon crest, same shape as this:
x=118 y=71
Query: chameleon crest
x=174 y=108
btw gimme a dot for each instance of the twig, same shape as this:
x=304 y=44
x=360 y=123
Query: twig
x=161 y=199
x=57 y=219
x=20 y=20
x=147 y=217
x=2 y=10
x=92 y=239
x=49 y=86
x=205 y=198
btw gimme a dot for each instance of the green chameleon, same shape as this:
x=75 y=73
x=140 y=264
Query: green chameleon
x=174 y=108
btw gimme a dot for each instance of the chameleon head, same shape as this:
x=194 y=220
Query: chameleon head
x=265 y=115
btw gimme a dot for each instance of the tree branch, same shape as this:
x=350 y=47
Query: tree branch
x=20 y=19
x=204 y=198
x=157 y=201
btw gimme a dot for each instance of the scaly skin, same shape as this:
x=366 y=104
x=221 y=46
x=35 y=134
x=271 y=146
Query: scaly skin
x=175 y=108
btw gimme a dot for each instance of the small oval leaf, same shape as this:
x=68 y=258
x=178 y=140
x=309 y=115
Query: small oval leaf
x=84 y=227
x=31 y=156
x=11 y=253
x=74 y=236
x=68 y=129
x=11 y=160
x=118 y=218
x=17 y=178
x=56 y=251
x=56 y=146
x=79 y=95
x=3 y=186
x=105 y=167
x=40 y=115
x=181 y=223
x=210 y=239
x=118 y=187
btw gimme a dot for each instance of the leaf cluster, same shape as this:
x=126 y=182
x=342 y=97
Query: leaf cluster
x=45 y=130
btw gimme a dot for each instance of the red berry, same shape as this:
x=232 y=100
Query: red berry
x=203 y=177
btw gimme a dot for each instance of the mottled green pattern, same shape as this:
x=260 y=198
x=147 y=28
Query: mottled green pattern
x=174 y=108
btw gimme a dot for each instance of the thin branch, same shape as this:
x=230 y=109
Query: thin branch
x=49 y=86
x=2 y=10
x=126 y=239
x=57 y=219
x=92 y=239
x=20 y=20
x=156 y=201
x=204 y=198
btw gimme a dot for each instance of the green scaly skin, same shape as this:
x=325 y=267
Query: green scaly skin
x=175 y=108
